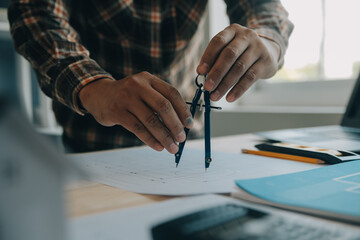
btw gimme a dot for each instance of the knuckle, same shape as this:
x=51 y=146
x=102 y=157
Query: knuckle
x=138 y=80
x=244 y=38
x=164 y=106
x=138 y=127
x=174 y=93
x=152 y=120
x=132 y=82
x=250 y=75
x=250 y=32
x=231 y=53
x=216 y=73
x=239 y=66
x=219 y=39
x=235 y=26
x=144 y=73
x=247 y=35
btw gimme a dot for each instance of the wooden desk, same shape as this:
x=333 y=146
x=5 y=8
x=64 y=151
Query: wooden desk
x=89 y=198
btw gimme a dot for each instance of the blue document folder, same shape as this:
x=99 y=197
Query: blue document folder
x=332 y=191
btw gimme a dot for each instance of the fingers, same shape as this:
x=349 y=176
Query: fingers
x=132 y=124
x=214 y=48
x=162 y=111
x=165 y=111
x=145 y=105
x=248 y=79
x=229 y=59
x=235 y=73
x=181 y=109
x=224 y=63
x=155 y=126
x=242 y=41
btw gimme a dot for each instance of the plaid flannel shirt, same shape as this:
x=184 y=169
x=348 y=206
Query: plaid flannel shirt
x=72 y=43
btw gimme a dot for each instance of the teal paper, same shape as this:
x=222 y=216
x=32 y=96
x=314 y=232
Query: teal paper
x=333 y=188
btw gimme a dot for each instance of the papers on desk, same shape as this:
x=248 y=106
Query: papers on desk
x=332 y=191
x=144 y=170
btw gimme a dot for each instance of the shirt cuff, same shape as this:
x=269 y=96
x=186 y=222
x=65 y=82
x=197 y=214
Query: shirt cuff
x=72 y=79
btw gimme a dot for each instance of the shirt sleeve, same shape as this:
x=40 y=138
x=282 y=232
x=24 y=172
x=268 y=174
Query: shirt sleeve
x=267 y=17
x=42 y=34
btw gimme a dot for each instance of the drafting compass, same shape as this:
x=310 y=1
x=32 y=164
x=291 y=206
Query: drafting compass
x=193 y=105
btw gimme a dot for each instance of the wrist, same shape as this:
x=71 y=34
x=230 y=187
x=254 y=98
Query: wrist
x=273 y=48
x=88 y=95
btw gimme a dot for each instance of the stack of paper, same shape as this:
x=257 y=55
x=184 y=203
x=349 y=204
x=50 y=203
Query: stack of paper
x=332 y=191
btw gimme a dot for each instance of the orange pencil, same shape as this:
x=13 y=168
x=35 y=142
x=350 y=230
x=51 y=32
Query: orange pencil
x=283 y=156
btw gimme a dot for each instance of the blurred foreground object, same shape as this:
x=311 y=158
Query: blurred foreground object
x=32 y=174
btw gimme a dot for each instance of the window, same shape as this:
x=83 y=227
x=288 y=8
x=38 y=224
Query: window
x=325 y=44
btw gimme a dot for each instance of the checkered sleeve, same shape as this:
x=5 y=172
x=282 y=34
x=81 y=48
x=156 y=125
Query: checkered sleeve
x=267 y=17
x=42 y=34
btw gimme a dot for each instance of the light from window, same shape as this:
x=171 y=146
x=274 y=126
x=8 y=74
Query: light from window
x=325 y=43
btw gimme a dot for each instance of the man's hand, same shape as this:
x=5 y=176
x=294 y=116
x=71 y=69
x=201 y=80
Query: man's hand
x=142 y=103
x=234 y=59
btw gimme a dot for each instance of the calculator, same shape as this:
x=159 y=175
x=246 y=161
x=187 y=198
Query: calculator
x=235 y=222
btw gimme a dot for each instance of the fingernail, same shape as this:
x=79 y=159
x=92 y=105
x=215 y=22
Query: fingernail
x=181 y=137
x=173 y=148
x=230 y=98
x=158 y=147
x=215 y=96
x=189 y=122
x=209 y=84
x=203 y=68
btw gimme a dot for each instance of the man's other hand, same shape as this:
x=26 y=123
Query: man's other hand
x=142 y=103
x=234 y=59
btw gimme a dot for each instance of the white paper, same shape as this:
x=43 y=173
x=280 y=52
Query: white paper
x=144 y=170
